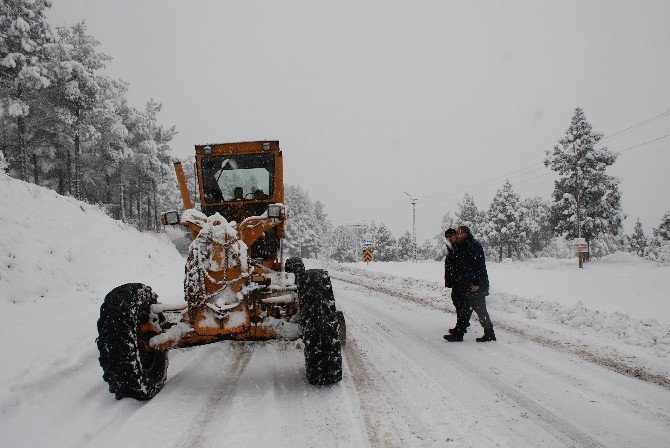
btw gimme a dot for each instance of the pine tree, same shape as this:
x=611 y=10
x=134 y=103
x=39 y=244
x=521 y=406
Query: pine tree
x=405 y=247
x=25 y=38
x=386 y=246
x=343 y=245
x=468 y=215
x=324 y=226
x=308 y=228
x=503 y=227
x=659 y=246
x=663 y=230
x=79 y=91
x=638 y=240
x=430 y=251
x=586 y=200
x=535 y=222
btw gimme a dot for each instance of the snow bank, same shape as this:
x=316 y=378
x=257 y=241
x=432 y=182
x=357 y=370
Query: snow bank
x=59 y=258
x=53 y=246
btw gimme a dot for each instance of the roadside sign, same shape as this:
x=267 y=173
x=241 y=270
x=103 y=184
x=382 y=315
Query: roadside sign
x=367 y=241
x=580 y=246
x=367 y=256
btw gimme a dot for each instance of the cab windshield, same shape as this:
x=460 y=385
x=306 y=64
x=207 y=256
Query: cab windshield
x=237 y=178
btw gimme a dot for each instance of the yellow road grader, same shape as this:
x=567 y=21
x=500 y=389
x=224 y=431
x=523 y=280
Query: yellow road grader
x=235 y=285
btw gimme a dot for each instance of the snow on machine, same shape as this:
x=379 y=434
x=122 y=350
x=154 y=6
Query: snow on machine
x=235 y=287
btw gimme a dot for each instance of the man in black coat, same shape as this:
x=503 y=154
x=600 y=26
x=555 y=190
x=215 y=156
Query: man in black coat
x=457 y=294
x=471 y=280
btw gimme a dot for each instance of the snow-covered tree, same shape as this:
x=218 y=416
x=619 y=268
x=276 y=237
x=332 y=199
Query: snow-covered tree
x=25 y=37
x=503 y=227
x=343 y=245
x=301 y=227
x=659 y=246
x=308 y=227
x=586 y=200
x=638 y=240
x=324 y=226
x=430 y=250
x=405 y=246
x=79 y=61
x=447 y=222
x=663 y=230
x=468 y=215
x=386 y=246
x=535 y=222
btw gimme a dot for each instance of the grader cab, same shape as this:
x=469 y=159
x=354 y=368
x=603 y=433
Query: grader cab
x=235 y=285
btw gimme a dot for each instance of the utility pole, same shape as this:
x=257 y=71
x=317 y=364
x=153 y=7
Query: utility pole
x=413 y=200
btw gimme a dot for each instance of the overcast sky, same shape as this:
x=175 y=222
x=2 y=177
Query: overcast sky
x=373 y=99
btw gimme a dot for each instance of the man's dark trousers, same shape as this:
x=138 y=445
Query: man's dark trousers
x=476 y=301
x=459 y=298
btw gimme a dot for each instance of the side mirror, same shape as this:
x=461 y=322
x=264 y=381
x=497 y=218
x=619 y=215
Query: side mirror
x=170 y=218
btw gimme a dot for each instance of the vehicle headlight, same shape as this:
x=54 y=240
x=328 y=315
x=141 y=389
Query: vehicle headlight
x=170 y=218
x=275 y=210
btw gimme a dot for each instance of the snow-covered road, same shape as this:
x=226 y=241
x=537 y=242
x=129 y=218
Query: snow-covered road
x=403 y=385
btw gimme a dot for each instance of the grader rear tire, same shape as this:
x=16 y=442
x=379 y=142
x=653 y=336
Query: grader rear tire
x=130 y=367
x=323 y=349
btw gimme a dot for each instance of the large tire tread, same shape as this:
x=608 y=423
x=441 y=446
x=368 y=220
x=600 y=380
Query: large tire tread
x=130 y=367
x=323 y=348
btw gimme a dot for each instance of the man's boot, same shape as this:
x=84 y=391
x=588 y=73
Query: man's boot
x=489 y=335
x=455 y=337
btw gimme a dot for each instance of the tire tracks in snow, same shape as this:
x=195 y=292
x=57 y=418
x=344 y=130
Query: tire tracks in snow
x=52 y=376
x=607 y=362
x=225 y=391
x=544 y=417
x=366 y=382
x=363 y=385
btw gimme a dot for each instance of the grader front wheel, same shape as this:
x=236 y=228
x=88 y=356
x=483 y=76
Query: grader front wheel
x=130 y=366
x=323 y=349
x=295 y=266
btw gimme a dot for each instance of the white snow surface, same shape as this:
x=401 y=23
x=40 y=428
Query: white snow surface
x=59 y=258
x=543 y=383
x=617 y=305
x=621 y=282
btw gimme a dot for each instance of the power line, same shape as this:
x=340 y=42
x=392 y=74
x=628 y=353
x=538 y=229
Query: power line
x=635 y=126
x=515 y=173
x=535 y=166
x=477 y=193
x=485 y=191
x=520 y=172
x=641 y=144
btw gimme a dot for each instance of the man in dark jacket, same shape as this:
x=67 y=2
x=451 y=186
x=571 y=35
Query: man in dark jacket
x=472 y=280
x=457 y=294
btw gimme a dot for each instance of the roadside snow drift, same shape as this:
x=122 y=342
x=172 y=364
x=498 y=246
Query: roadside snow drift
x=55 y=246
x=60 y=257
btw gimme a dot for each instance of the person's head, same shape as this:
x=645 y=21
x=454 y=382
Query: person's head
x=450 y=235
x=238 y=193
x=462 y=232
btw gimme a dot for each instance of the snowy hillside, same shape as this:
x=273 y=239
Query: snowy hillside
x=57 y=246
x=59 y=259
